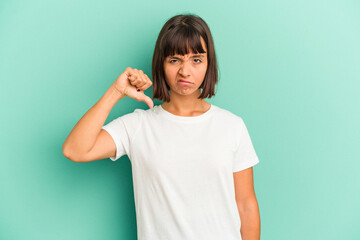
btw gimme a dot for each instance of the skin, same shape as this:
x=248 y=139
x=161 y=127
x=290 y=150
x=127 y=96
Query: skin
x=184 y=102
x=247 y=204
x=183 y=98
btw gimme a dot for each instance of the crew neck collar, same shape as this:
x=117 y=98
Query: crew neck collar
x=184 y=118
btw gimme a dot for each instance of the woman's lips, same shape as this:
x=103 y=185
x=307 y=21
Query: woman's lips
x=184 y=83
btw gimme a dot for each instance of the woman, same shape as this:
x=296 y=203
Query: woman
x=191 y=160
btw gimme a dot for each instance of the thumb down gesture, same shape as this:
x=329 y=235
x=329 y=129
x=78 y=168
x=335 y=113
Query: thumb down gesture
x=132 y=83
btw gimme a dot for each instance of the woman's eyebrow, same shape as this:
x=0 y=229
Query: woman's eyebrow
x=196 y=55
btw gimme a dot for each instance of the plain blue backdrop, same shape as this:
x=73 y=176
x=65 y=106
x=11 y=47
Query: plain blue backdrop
x=290 y=69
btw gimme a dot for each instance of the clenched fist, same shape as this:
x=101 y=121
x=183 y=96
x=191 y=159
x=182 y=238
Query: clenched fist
x=132 y=83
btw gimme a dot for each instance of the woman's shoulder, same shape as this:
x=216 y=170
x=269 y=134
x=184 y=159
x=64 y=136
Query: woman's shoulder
x=227 y=114
x=144 y=113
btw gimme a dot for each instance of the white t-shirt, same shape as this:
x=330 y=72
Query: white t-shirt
x=182 y=170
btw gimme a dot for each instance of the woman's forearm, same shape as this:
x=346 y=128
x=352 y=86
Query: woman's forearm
x=250 y=221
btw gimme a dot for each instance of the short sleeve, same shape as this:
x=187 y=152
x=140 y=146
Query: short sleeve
x=123 y=130
x=245 y=155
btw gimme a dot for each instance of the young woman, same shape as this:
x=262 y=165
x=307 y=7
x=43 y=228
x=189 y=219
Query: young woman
x=191 y=160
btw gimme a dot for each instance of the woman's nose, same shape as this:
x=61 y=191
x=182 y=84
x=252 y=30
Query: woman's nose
x=184 y=68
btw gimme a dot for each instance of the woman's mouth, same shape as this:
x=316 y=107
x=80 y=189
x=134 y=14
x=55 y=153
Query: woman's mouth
x=183 y=82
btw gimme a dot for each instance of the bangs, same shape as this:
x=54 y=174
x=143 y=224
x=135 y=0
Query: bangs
x=180 y=41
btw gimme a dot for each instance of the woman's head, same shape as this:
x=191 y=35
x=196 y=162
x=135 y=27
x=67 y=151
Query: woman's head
x=184 y=50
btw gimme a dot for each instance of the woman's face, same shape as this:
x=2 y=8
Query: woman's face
x=190 y=68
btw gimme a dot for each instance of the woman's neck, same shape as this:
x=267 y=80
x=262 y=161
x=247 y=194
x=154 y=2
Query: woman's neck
x=187 y=109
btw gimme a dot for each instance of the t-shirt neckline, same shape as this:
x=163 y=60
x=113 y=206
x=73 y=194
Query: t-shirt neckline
x=185 y=118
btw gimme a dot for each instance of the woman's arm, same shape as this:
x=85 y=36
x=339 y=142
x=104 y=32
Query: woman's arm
x=83 y=136
x=87 y=141
x=247 y=204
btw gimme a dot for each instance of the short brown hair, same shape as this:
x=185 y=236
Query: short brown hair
x=177 y=36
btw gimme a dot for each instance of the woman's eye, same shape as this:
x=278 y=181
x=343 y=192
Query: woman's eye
x=171 y=61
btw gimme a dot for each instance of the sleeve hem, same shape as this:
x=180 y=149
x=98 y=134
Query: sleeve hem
x=118 y=153
x=249 y=164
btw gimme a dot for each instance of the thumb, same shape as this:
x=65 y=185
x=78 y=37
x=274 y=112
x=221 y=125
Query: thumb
x=147 y=100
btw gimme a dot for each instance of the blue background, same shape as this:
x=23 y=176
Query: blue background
x=290 y=69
